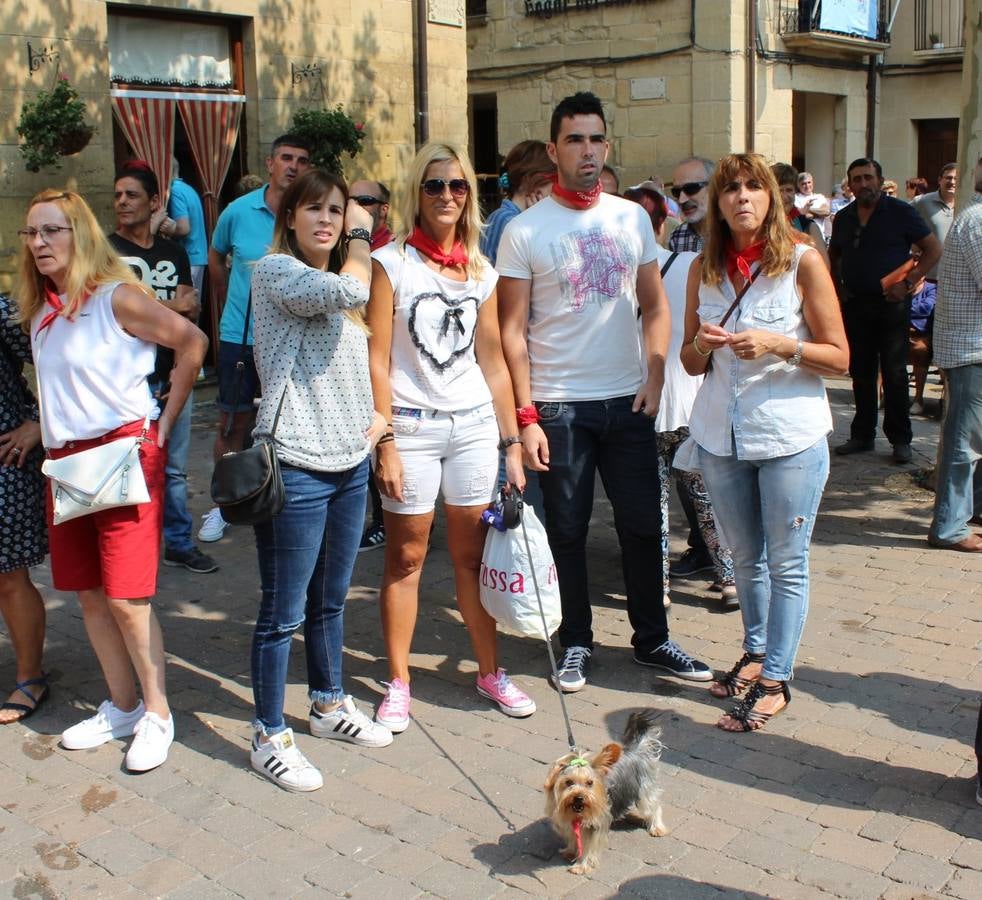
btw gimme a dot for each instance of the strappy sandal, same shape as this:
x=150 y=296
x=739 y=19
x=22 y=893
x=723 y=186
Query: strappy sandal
x=37 y=699
x=732 y=683
x=750 y=718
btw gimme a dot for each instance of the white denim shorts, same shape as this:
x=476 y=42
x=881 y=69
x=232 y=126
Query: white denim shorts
x=452 y=452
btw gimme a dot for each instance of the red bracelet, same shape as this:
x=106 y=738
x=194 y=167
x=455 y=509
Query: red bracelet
x=527 y=415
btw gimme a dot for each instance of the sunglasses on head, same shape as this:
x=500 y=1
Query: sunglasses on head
x=365 y=199
x=433 y=187
x=690 y=187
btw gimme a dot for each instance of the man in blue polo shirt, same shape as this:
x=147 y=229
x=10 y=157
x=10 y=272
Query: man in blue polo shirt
x=870 y=239
x=185 y=224
x=244 y=231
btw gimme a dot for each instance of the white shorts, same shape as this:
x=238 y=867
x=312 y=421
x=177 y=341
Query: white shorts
x=452 y=452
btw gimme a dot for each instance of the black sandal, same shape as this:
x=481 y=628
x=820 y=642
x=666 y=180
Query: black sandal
x=732 y=682
x=751 y=719
x=25 y=710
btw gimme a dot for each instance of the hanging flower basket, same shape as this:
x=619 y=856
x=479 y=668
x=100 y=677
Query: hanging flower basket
x=330 y=132
x=53 y=126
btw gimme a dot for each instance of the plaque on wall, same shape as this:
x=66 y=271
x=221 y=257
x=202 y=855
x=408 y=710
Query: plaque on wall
x=446 y=12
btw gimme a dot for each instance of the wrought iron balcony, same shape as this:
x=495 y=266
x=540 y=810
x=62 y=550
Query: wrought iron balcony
x=805 y=25
x=938 y=25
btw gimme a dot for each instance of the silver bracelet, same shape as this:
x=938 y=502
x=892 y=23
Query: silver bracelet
x=795 y=360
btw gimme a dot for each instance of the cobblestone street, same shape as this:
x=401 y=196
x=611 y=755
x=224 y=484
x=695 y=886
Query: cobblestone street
x=862 y=789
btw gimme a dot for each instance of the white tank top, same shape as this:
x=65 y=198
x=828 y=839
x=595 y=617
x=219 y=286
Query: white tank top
x=92 y=375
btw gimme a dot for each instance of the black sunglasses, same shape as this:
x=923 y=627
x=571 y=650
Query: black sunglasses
x=690 y=187
x=433 y=187
x=366 y=199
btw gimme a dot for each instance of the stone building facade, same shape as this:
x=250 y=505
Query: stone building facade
x=704 y=77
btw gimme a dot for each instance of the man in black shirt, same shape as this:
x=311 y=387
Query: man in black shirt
x=872 y=238
x=163 y=266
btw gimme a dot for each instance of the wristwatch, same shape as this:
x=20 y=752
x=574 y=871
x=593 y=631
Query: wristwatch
x=359 y=234
x=795 y=358
x=505 y=443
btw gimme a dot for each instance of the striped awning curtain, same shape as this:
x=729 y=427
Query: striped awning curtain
x=148 y=125
x=212 y=127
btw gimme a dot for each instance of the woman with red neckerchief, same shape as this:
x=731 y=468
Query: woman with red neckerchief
x=439 y=378
x=762 y=322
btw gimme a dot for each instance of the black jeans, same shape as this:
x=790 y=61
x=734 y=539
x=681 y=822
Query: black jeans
x=604 y=435
x=877 y=330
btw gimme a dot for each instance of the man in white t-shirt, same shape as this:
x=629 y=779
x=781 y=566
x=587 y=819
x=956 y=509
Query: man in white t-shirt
x=811 y=205
x=575 y=268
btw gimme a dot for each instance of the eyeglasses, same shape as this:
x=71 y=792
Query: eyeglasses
x=47 y=232
x=366 y=200
x=690 y=187
x=433 y=187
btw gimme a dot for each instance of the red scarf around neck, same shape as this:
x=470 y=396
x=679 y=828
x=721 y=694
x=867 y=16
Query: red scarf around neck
x=740 y=260
x=576 y=199
x=54 y=301
x=426 y=245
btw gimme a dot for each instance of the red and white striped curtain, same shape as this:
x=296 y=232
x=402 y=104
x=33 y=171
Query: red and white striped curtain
x=148 y=125
x=212 y=127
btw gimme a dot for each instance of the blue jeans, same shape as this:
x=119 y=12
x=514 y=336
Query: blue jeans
x=177 y=519
x=585 y=437
x=766 y=509
x=958 y=495
x=306 y=555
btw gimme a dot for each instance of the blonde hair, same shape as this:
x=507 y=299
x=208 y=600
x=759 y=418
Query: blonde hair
x=94 y=261
x=468 y=226
x=779 y=251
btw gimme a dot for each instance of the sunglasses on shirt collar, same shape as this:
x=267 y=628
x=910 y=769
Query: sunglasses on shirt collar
x=690 y=187
x=433 y=187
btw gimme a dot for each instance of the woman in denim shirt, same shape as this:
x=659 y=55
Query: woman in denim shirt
x=761 y=418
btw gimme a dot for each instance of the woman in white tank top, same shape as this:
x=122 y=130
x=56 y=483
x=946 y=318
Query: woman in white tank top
x=93 y=329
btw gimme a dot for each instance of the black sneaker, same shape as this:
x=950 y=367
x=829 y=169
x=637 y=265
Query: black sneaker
x=373 y=537
x=689 y=563
x=901 y=453
x=193 y=560
x=572 y=670
x=671 y=658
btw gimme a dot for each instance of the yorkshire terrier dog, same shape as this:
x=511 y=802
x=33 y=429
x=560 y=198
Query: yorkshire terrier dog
x=586 y=795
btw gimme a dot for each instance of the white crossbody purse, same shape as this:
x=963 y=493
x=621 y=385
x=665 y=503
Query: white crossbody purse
x=102 y=477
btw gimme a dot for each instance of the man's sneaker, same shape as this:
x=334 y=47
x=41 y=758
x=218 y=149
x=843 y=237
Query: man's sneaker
x=348 y=723
x=393 y=711
x=281 y=762
x=153 y=739
x=108 y=723
x=511 y=701
x=854 y=446
x=730 y=599
x=901 y=453
x=193 y=560
x=572 y=670
x=671 y=658
x=213 y=526
x=373 y=537
x=690 y=563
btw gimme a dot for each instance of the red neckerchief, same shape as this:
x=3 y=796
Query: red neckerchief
x=576 y=199
x=54 y=301
x=794 y=213
x=426 y=245
x=740 y=260
x=381 y=237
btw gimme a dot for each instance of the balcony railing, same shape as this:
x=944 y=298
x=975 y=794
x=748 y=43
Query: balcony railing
x=938 y=24
x=801 y=18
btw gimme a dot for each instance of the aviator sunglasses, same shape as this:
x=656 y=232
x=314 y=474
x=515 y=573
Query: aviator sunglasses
x=433 y=187
x=690 y=187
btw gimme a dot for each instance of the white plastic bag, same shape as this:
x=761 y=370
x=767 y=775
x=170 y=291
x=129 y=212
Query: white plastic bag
x=507 y=589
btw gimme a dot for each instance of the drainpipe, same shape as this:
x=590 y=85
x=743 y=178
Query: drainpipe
x=751 y=110
x=870 y=105
x=422 y=76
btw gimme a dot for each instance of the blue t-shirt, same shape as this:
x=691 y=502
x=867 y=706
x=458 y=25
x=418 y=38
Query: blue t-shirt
x=185 y=204
x=244 y=229
x=868 y=253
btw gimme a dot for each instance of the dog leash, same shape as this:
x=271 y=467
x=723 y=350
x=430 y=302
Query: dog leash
x=545 y=629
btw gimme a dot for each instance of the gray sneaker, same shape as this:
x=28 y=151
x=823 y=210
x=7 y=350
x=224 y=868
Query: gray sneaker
x=572 y=670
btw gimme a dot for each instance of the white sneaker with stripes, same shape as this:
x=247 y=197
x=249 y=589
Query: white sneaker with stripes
x=280 y=760
x=348 y=723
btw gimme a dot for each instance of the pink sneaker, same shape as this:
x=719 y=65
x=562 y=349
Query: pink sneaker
x=393 y=711
x=511 y=701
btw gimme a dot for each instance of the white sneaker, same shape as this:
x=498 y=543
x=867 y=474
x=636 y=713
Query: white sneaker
x=281 y=762
x=108 y=723
x=153 y=739
x=348 y=723
x=213 y=526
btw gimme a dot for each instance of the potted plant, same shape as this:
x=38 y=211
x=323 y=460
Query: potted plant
x=329 y=132
x=53 y=126
x=936 y=42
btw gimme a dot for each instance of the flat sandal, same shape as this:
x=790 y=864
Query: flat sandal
x=732 y=682
x=750 y=718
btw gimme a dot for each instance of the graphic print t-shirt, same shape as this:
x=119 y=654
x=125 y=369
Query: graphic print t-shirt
x=582 y=331
x=433 y=331
x=161 y=268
